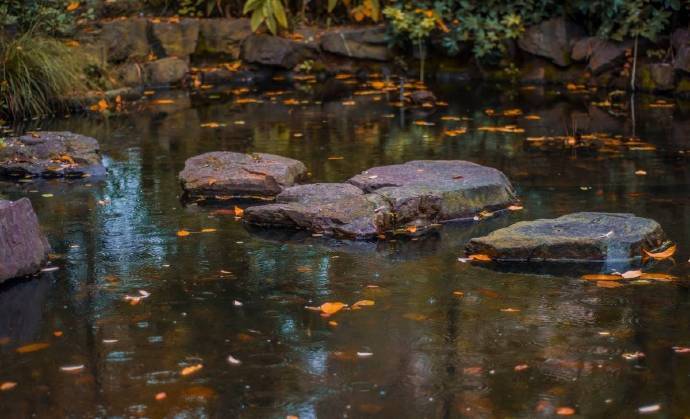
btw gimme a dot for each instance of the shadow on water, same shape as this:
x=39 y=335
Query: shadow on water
x=443 y=338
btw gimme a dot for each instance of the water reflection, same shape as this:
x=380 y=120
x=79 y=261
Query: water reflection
x=444 y=339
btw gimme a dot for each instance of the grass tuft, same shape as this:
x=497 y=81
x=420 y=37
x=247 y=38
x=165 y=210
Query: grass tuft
x=36 y=73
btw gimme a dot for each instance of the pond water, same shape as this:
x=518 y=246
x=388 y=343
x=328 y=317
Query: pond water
x=444 y=338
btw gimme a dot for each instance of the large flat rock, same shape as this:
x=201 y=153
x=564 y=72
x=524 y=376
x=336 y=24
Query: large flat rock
x=50 y=154
x=337 y=209
x=405 y=199
x=437 y=190
x=584 y=236
x=224 y=174
x=23 y=247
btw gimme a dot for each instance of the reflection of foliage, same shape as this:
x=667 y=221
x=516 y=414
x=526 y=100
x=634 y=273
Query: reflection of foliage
x=35 y=71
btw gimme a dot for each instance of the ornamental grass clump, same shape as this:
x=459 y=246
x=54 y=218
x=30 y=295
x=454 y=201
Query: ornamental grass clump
x=36 y=73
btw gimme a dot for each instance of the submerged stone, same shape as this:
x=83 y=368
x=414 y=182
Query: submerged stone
x=337 y=209
x=584 y=236
x=224 y=175
x=23 y=247
x=50 y=154
x=407 y=199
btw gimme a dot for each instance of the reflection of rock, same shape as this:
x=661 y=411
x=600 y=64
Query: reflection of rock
x=585 y=236
x=21 y=309
x=219 y=175
x=365 y=43
x=420 y=97
x=50 y=154
x=654 y=77
x=23 y=247
x=552 y=39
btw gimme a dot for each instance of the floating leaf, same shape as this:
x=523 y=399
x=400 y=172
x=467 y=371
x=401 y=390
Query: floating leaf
x=681 y=349
x=661 y=255
x=160 y=396
x=72 y=6
x=239 y=212
x=363 y=303
x=7 y=385
x=656 y=276
x=601 y=277
x=649 y=409
x=208 y=230
x=332 y=308
x=480 y=258
x=191 y=369
x=234 y=361
x=521 y=367
x=72 y=368
x=631 y=356
x=631 y=274
x=183 y=233
x=32 y=347
x=565 y=411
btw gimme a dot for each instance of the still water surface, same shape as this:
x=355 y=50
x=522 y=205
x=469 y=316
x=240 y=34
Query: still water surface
x=444 y=338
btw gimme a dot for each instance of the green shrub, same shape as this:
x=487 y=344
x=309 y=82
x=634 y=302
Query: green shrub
x=36 y=72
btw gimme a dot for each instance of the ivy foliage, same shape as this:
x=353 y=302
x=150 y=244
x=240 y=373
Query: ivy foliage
x=488 y=25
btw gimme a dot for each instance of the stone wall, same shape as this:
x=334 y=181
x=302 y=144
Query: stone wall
x=144 y=51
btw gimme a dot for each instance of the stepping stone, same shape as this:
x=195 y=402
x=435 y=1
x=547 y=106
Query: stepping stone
x=437 y=190
x=222 y=175
x=406 y=199
x=50 y=155
x=584 y=236
x=337 y=209
x=23 y=247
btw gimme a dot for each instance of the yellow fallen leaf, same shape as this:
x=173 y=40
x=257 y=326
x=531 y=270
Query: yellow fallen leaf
x=208 y=230
x=72 y=6
x=32 y=347
x=661 y=255
x=631 y=274
x=160 y=396
x=191 y=369
x=183 y=233
x=601 y=277
x=162 y=102
x=363 y=303
x=239 y=212
x=565 y=411
x=7 y=385
x=479 y=258
x=516 y=208
x=655 y=276
x=332 y=308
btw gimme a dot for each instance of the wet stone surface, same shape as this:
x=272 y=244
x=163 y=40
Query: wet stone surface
x=222 y=175
x=49 y=155
x=23 y=247
x=585 y=236
x=409 y=199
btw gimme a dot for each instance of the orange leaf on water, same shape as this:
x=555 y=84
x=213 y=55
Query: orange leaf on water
x=7 y=385
x=32 y=347
x=565 y=411
x=631 y=274
x=480 y=258
x=661 y=255
x=332 y=308
x=160 y=396
x=238 y=211
x=655 y=276
x=363 y=303
x=191 y=369
x=601 y=277
x=183 y=233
